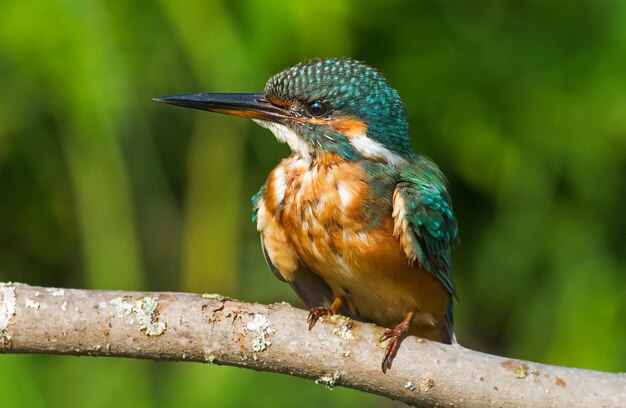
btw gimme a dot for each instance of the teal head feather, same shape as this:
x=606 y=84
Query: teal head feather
x=324 y=90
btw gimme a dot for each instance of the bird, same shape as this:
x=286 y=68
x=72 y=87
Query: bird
x=353 y=219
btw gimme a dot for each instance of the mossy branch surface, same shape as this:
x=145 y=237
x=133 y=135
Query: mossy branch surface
x=337 y=352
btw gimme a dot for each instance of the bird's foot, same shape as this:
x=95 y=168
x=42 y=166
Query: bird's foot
x=316 y=313
x=395 y=337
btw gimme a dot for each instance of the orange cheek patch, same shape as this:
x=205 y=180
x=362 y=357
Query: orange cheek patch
x=348 y=126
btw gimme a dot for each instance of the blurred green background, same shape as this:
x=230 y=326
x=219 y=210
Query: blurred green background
x=522 y=104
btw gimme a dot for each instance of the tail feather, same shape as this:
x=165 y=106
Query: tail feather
x=448 y=335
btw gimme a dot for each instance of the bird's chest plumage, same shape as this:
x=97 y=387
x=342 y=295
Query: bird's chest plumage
x=335 y=217
x=325 y=209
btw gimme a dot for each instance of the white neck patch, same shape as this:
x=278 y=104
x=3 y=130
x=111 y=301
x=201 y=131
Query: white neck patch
x=372 y=149
x=368 y=147
x=285 y=135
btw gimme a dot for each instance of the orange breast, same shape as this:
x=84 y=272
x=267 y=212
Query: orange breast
x=325 y=211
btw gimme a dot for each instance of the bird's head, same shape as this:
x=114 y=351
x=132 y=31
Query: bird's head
x=336 y=105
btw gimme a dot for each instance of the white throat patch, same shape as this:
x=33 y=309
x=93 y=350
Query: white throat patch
x=372 y=149
x=285 y=135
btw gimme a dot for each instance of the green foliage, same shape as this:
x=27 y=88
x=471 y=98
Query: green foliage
x=521 y=103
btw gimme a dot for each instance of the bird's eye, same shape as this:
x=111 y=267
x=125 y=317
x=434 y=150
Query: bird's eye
x=316 y=109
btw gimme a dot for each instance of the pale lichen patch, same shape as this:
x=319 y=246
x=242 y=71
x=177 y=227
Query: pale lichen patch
x=409 y=386
x=216 y=296
x=121 y=305
x=56 y=291
x=260 y=326
x=32 y=304
x=329 y=380
x=7 y=311
x=520 y=369
x=344 y=326
x=146 y=313
x=521 y=372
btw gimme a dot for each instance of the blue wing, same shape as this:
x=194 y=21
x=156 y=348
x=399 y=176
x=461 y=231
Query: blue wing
x=425 y=222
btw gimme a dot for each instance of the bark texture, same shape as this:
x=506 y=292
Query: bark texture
x=337 y=352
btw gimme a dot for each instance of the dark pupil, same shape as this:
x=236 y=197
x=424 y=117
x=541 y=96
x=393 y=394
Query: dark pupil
x=317 y=109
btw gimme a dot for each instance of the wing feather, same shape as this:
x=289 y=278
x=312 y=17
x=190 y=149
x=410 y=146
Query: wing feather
x=425 y=224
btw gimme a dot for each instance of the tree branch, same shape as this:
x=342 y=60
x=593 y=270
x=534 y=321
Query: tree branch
x=219 y=330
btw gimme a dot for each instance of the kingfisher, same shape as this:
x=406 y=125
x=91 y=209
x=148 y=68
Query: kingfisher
x=353 y=219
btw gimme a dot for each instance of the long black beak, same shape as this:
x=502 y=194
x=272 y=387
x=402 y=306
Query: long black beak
x=247 y=105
